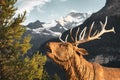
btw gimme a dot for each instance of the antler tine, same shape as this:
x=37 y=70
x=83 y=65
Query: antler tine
x=77 y=34
x=66 y=38
x=82 y=34
x=61 y=38
x=71 y=34
x=95 y=35
x=104 y=25
x=91 y=27
x=83 y=38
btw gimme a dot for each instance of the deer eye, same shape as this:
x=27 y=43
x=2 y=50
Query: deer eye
x=60 y=45
x=64 y=45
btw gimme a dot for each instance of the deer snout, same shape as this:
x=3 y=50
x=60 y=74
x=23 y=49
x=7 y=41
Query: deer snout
x=52 y=46
x=48 y=48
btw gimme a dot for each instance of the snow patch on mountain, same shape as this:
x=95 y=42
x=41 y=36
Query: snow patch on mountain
x=56 y=27
x=73 y=19
x=49 y=25
x=42 y=32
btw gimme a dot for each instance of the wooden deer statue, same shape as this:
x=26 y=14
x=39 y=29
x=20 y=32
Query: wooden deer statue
x=70 y=57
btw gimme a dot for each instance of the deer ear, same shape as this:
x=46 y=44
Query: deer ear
x=81 y=51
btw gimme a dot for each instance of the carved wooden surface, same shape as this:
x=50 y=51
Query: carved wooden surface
x=70 y=57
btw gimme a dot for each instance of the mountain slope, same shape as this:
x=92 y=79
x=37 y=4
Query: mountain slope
x=42 y=32
x=106 y=50
x=108 y=47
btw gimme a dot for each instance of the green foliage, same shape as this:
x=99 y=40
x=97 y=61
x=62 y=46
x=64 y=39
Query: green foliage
x=27 y=69
x=35 y=66
x=13 y=48
x=11 y=30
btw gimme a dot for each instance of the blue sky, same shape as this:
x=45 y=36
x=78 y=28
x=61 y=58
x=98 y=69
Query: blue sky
x=48 y=10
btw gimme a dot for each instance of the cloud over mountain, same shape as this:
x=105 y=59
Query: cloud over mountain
x=63 y=0
x=29 y=5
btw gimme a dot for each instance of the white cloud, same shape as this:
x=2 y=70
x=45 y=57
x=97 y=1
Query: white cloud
x=63 y=0
x=29 y=5
x=74 y=10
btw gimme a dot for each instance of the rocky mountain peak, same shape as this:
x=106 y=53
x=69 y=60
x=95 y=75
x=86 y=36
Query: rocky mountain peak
x=35 y=24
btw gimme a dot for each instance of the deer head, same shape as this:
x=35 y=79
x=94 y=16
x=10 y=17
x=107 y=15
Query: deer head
x=62 y=52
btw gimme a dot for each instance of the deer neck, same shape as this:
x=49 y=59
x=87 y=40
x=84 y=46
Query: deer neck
x=79 y=69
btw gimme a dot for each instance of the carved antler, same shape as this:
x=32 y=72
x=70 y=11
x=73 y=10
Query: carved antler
x=83 y=37
x=63 y=40
x=96 y=34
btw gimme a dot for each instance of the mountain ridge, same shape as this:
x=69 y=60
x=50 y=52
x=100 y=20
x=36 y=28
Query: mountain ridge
x=109 y=41
x=106 y=50
x=42 y=32
x=35 y=24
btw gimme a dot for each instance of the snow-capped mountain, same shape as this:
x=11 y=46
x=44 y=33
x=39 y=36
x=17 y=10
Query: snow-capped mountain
x=64 y=23
x=73 y=19
x=42 y=31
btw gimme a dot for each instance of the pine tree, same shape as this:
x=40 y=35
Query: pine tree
x=13 y=47
x=11 y=29
x=27 y=69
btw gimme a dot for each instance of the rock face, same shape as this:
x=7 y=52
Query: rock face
x=36 y=24
x=107 y=50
